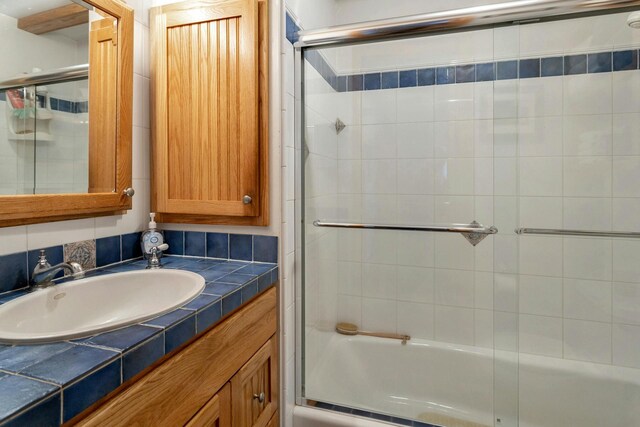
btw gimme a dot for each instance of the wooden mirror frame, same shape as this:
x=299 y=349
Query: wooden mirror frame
x=37 y=208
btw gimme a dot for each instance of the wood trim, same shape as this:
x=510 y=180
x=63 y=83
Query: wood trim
x=217 y=411
x=30 y=209
x=197 y=371
x=158 y=93
x=54 y=19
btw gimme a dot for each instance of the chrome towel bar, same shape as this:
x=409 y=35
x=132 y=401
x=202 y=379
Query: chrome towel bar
x=473 y=232
x=585 y=233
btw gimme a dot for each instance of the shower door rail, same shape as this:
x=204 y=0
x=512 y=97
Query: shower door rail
x=518 y=11
x=585 y=233
x=473 y=232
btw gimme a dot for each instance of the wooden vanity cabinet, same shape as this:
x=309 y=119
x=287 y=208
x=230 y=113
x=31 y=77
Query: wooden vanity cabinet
x=226 y=378
x=254 y=393
x=210 y=112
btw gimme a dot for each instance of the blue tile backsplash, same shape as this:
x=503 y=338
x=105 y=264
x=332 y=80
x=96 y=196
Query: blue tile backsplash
x=15 y=269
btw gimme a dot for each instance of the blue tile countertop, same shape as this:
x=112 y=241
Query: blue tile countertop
x=48 y=384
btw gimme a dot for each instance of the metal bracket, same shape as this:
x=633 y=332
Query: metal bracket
x=339 y=126
x=474 y=238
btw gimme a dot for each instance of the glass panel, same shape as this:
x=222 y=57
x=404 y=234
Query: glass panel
x=529 y=126
x=416 y=149
x=44 y=132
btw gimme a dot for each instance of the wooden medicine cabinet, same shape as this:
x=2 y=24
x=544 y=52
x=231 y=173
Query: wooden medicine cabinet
x=99 y=153
x=210 y=112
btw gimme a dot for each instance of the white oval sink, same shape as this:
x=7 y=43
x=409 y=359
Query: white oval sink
x=82 y=308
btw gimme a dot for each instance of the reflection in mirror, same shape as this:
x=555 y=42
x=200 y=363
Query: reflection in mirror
x=57 y=52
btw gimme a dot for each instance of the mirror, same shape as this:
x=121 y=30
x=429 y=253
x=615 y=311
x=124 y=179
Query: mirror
x=58 y=97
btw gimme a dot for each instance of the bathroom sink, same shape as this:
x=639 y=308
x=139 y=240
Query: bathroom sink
x=82 y=308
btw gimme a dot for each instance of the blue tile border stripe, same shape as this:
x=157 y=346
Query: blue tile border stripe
x=63 y=105
x=372 y=415
x=574 y=64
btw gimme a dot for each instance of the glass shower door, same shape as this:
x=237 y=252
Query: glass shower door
x=399 y=138
x=529 y=128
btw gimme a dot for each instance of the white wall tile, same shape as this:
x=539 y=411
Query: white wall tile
x=626 y=303
x=379 y=106
x=587 y=176
x=540 y=176
x=416 y=320
x=350 y=278
x=587 y=94
x=626 y=261
x=540 y=335
x=586 y=258
x=379 y=176
x=454 y=139
x=587 y=300
x=379 y=141
x=541 y=256
x=483 y=296
x=454 y=325
x=379 y=315
x=626 y=92
x=626 y=127
x=454 y=176
x=415 y=209
x=540 y=295
x=587 y=213
x=589 y=135
x=505 y=288
x=626 y=175
x=454 y=102
x=454 y=287
x=415 y=176
x=415 y=140
x=540 y=136
x=379 y=281
x=416 y=250
x=588 y=341
x=626 y=345
x=415 y=284
x=349 y=176
x=624 y=215
x=540 y=97
x=541 y=212
x=415 y=104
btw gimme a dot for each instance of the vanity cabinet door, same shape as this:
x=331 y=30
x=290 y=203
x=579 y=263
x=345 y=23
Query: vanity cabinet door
x=254 y=390
x=207 y=153
x=216 y=412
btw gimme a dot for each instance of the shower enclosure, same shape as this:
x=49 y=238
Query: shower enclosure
x=476 y=189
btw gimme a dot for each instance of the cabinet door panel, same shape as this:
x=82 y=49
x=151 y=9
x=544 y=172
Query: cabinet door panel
x=254 y=389
x=217 y=411
x=206 y=100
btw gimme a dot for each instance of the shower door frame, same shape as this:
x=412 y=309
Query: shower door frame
x=518 y=12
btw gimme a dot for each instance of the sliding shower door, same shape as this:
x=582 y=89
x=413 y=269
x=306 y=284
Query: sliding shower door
x=451 y=188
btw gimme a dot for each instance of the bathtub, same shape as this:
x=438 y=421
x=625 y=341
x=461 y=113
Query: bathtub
x=464 y=385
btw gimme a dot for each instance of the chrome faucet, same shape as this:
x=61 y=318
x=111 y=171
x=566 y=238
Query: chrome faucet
x=43 y=272
x=153 y=260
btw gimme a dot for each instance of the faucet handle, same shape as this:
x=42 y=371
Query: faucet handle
x=42 y=260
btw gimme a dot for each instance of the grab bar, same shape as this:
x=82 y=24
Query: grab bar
x=585 y=233
x=473 y=232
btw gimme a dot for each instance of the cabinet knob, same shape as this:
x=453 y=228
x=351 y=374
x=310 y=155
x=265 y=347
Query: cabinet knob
x=260 y=397
x=246 y=199
x=129 y=192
